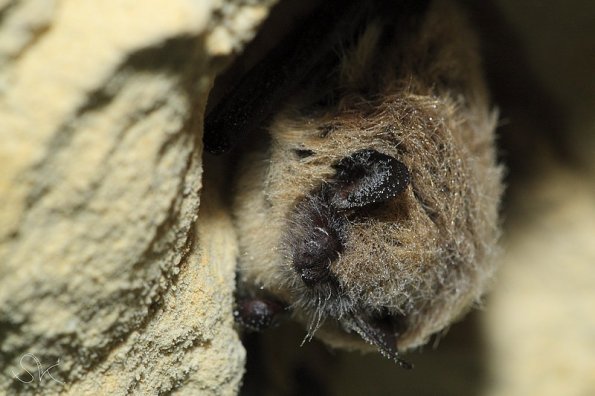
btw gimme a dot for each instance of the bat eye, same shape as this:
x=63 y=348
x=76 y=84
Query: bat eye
x=303 y=153
x=367 y=177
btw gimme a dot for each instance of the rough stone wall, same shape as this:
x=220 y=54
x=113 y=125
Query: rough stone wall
x=103 y=265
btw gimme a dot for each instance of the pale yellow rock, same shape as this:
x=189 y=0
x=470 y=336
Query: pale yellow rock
x=102 y=265
x=540 y=318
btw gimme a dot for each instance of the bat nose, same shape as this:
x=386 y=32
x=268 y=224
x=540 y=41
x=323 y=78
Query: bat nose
x=313 y=255
x=316 y=238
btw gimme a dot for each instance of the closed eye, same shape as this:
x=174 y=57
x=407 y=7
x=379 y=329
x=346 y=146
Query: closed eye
x=303 y=153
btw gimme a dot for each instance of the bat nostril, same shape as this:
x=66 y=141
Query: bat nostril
x=313 y=255
x=316 y=238
x=313 y=275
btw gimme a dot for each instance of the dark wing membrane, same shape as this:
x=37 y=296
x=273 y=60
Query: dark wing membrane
x=313 y=46
x=269 y=82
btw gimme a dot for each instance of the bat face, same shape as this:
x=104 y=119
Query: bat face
x=371 y=210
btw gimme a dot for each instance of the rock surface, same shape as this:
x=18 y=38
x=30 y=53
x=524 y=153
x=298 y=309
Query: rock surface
x=105 y=273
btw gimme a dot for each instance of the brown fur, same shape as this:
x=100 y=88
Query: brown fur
x=428 y=253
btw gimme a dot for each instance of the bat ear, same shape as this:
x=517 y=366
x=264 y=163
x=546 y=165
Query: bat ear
x=381 y=333
x=367 y=177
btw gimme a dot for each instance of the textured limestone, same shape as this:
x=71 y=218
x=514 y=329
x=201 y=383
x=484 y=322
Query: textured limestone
x=539 y=320
x=103 y=266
